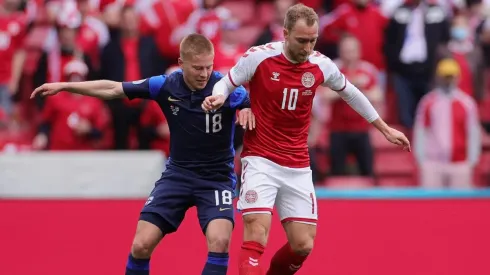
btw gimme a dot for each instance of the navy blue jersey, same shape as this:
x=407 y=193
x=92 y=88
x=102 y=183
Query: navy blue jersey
x=199 y=142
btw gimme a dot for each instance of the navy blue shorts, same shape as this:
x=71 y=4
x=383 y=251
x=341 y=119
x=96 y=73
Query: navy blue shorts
x=175 y=192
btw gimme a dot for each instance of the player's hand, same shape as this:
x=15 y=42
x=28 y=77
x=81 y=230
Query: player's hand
x=48 y=89
x=246 y=118
x=396 y=137
x=213 y=102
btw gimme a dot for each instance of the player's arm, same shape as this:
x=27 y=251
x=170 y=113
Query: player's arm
x=240 y=74
x=105 y=89
x=337 y=82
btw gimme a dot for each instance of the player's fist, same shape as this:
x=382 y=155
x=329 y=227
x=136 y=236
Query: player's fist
x=48 y=89
x=246 y=118
x=396 y=137
x=213 y=102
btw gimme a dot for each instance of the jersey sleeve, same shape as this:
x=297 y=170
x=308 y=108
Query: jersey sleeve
x=148 y=88
x=244 y=70
x=333 y=78
x=239 y=99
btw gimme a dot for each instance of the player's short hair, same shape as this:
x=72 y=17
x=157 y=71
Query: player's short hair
x=297 y=12
x=195 y=44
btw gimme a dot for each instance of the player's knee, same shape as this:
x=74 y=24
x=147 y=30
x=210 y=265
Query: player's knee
x=303 y=246
x=256 y=228
x=218 y=243
x=141 y=249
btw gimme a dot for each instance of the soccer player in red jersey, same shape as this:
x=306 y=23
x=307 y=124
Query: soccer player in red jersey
x=283 y=77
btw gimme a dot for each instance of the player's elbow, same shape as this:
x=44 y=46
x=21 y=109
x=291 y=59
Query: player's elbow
x=113 y=90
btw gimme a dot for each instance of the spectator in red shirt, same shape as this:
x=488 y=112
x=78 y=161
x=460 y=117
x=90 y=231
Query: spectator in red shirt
x=363 y=20
x=349 y=132
x=129 y=56
x=71 y=121
x=275 y=30
x=228 y=51
x=62 y=48
x=206 y=21
x=12 y=55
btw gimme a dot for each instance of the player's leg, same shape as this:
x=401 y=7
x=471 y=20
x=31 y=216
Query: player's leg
x=214 y=202
x=162 y=214
x=297 y=207
x=257 y=196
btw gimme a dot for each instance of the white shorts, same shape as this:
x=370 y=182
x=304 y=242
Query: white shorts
x=266 y=183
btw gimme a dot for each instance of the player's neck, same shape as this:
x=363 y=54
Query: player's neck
x=188 y=85
x=286 y=54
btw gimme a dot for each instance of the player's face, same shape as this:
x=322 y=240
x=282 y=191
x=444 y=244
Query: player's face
x=197 y=69
x=301 y=40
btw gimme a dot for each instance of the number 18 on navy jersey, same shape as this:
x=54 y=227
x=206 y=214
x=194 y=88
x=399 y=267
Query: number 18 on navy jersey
x=200 y=142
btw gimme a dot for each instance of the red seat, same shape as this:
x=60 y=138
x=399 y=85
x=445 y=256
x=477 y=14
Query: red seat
x=394 y=163
x=349 y=182
x=403 y=181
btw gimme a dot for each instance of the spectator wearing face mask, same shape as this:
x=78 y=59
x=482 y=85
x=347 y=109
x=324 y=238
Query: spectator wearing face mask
x=447 y=132
x=468 y=55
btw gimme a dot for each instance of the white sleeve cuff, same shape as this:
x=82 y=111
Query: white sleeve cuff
x=223 y=87
x=359 y=102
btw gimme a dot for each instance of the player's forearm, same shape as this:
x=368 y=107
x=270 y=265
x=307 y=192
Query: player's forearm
x=223 y=87
x=103 y=89
x=359 y=102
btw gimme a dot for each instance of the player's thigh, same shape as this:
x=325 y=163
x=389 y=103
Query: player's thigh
x=258 y=188
x=296 y=200
x=146 y=238
x=168 y=202
x=213 y=200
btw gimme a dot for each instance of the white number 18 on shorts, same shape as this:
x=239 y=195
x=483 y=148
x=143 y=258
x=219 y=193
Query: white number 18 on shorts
x=291 y=190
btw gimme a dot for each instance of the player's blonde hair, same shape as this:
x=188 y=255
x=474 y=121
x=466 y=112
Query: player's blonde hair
x=297 y=12
x=195 y=44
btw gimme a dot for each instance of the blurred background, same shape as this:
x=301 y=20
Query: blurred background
x=76 y=170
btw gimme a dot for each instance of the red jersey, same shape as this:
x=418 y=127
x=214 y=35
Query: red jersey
x=366 y=25
x=93 y=36
x=64 y=111
x=12 y=33
x=281 y=95
x=345 y=119
x=226 y=57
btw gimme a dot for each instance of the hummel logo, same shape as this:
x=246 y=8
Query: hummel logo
x=253 y=262
x=173 y=99
x=223 y=209
x=275 y=76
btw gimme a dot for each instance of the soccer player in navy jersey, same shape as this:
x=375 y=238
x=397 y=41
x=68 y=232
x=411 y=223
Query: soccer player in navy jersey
x=200 y=169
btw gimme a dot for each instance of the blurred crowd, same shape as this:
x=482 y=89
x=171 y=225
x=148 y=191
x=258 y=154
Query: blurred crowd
x=422 y=63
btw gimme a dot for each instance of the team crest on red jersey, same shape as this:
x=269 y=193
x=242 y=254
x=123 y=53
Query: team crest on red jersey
x=308 y=80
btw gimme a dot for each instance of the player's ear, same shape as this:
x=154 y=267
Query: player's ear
x=285 y=32
x=181 y=62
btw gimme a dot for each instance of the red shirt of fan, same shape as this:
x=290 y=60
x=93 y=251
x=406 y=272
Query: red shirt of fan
x=226 y=57
x=12 y=33
x=64 y=111
x=344 y=118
